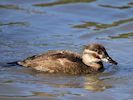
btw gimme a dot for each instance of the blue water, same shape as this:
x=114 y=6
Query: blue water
x=29 y=27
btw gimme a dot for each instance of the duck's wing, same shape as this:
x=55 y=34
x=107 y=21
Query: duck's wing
x=68 y=55
x=52 y=59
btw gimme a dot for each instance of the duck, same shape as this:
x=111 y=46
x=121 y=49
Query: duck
x=68 y=62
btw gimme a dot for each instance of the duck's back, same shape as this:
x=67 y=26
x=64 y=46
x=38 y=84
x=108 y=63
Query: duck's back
x=56 y=61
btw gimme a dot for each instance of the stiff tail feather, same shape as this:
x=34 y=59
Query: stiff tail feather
x=13 y=63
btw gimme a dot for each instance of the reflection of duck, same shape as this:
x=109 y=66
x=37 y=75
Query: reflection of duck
x=93 y=83
x=89 y=82
x=69 y=62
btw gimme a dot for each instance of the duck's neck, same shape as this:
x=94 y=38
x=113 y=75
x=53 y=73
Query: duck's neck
x=92 y=62
x=96 y=66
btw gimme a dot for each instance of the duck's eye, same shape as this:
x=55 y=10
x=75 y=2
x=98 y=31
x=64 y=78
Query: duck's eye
x=95 y=50
x=99 y=52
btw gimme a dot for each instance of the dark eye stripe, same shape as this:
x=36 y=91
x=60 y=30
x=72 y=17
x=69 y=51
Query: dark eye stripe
x=85 y=53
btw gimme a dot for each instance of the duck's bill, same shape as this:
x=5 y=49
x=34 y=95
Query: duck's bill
x=109 y=60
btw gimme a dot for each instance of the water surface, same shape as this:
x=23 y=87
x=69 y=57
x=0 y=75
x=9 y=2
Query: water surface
x=29 y=27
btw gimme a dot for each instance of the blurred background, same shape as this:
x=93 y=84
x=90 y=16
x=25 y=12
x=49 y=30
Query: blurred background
x=29 y=27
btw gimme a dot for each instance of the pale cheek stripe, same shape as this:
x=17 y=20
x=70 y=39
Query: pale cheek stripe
x=89 y=51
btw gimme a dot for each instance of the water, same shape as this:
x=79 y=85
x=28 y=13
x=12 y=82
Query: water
x=29 y=27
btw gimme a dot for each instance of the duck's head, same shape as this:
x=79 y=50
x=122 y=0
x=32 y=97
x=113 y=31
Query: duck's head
x=94 y=53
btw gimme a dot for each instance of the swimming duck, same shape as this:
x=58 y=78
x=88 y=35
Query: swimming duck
x=68 y=62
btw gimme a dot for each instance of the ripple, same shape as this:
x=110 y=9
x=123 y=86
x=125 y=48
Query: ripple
x=16 y=7
x=123 y=36
x=129 y=5
x=7 y=6
x=60 y=2
x=98 y=26
x=56 y=94
x=15 y=24
x=46 y=94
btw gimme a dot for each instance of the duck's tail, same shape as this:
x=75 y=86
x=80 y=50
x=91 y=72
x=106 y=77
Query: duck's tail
x=13 y=63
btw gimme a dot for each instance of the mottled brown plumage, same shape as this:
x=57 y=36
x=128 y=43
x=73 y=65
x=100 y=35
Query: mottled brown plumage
x=67 y=61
